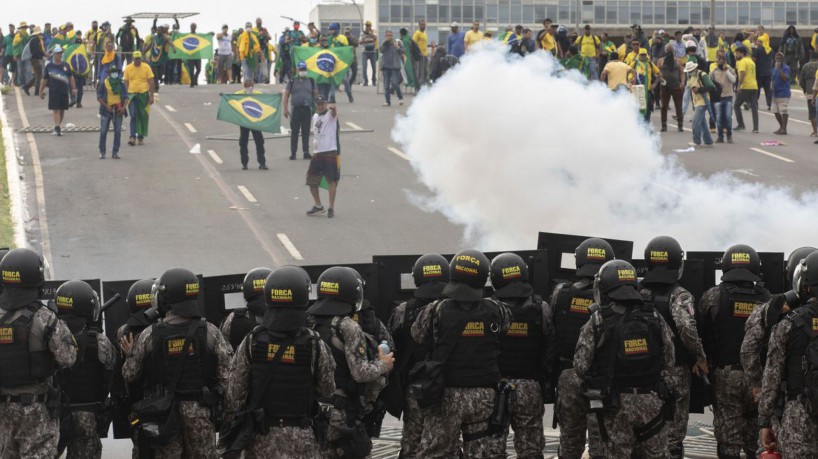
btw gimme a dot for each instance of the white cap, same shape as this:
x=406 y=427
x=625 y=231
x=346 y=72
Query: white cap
x=57 y=49
x=454 y=24
x=661 y=31
x=690 y=44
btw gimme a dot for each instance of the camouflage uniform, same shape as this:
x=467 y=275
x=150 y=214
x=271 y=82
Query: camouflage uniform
x=412 y=417
x=798 y=435
x=683 y=312
x=29 y=431
x=198 y=438
x=635 y=410
x=84 y=441
x=529 y=441
x=280 y=442
x=755 y=341
x=465 y=409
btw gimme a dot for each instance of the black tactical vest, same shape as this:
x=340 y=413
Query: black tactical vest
x=660 y=300
x=407 y=351
x=291 y=392
x=328 y=328
x=88 y=379
x=199 y=370
x=473 y=360
x=570 y=314
x=19 y=365
x=804 y=330
x=735 y=306
x=521 y=347
x=241 y=325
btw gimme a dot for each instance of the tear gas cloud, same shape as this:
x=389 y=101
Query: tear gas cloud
x=510 y=147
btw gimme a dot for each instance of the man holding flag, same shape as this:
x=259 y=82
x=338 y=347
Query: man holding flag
x=244 y=135
x=139 y=85
x=254 y=112
x=325 y=164
x=328 y=66
x=192 y=47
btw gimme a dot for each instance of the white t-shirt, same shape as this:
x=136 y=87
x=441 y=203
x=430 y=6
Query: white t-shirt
x=225 y=46
x=325 y=130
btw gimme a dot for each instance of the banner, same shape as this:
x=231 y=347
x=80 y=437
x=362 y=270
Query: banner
x=191 y=46
x=77 y=58
x=325 y=65
x=260 y=112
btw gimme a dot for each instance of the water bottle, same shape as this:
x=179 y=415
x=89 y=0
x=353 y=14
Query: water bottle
x=770 y=455
x=384 y=347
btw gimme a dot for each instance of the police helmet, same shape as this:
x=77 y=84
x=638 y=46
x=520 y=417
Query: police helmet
x=794 y=261
x=22 y=277
x=77 y=298
x=253 y=289
x=430 y=273
x=805 y=278
x=616 y=280
x=740 y=263
x=665 y=260
x=591 y=254
x=139 y=295
x=286 y=294
x=468 y=274
x=340 y=292
x=3 y=252
x=177 y=290
x=508 y=268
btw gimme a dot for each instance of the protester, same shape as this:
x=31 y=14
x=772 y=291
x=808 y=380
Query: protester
x=616 y=74
x=421 y=39
x=140 y=85
x=473 y=36
x=264 y=39
x=589 y=45
x=19 y=42
x=80 y=78
x=781 y=92
x=128 y=39
x=7 y=64
x=108 y=59
x=606 y=48
x=194 y=66
x=455 y=42
x=249 y=52
x=792 y=48
x=244 y=134
x=158 y=47
x=369 y=42
x=673 y=86
x=36 y=47
x=302 y=91
x=325 y=163
x=353 y=42
x=59 y=79
x=699 y=84
x=806 y=79
x=392 y=54
x=763 y=57
x=545 y=38
x=337 y=40
x=112 y=96
x=573 y=60
x=725 y=76
x=648 y=75
x=747 y=88
x=224 y=55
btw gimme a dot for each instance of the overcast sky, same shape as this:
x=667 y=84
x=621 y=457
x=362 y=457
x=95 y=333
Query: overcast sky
x=212 y=13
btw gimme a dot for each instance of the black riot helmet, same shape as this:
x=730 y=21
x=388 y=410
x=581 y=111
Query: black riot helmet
x=78 y=299
x=591 y=254
x=740 y=263
x=253 y=289
x=286 y=295
x=23 y=276
x=509 y=276
x=139 y=295
x=430 y=273
x=468 y=274
x=794 y=261
x=665 y=260
x=799 y=294
x=616 y=280
x=805 y=279
x=340 y=292
x=177 y=290
x=3 y=252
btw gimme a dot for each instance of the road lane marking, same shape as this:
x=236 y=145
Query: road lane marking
x=399 y=153
x=190 y=128
x=247 y=194
x=772 y=155
x=354 y=126
x=791 y=119
x=169 y=108
x=216 y=158
x=288 y=244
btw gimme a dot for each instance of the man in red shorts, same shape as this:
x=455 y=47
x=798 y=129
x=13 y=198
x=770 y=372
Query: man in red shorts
x=326 y=160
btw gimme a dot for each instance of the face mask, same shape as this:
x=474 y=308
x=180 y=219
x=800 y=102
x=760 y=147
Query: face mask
x=313 y=40
x=302 y=73
x=248 y=30
x=114 y=76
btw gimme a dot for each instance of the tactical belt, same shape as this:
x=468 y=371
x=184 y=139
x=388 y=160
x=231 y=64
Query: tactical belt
x=289 y=422
x=653 y=427
x=26 y=399
x=637 y=390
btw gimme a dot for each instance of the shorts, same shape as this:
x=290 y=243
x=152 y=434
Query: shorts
x=811 y=109
x=780 y=105
x=8 y=62
x=326 y=164
x=57 y=100
x=225 y=61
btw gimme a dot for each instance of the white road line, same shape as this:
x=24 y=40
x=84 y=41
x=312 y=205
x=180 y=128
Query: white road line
x=399 y=153
x=190 y=128
x=288 y=244
x=284 y=130
x=169 y=108
x=354 y=126
x=772 y=155
x=791 y=119
x=216 y=158
x=247 y=194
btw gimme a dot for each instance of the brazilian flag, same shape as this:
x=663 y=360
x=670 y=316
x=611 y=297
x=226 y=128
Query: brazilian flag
x=325 y=65
x=191 y=46
x=77 y=58
x=260 y=112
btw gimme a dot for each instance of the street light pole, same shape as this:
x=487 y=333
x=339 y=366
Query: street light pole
x=713 y=14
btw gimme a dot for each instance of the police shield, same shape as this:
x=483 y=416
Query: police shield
x=222 y=294
x=561 y=247
x=772 y=269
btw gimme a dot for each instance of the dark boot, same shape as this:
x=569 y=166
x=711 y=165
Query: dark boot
x=784 y=120
x=780 y=123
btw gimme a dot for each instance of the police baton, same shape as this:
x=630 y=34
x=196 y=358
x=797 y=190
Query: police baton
x=114 y=299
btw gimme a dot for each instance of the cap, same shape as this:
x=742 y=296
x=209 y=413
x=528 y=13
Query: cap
x=369 y=23
x=454 y=24
x=302 y=65
x=691 y=66
x=320 y=99
x=334 y=26
x=58 y=49
x=137 y=54
x=643 y=52
x=661 y=31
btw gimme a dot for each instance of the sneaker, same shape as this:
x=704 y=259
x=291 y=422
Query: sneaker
x=400 y=102
x=102 y=155
x=244 y=167
x=140 y=141
x=292 y=156
x=55 y=132
x=739 y=128
x=681 y=128
x=25 y=89
x=707 y=145
x=351 y=99
x=262 y=167
x=307 y=156
x=729 y=140
x=755 y=131
x=115 y=155
x=664 y=129
x=694 y=144
x=719 y=140
x=387 y=104
x=330 y=213
x=316 y=211
x=131 y=141
x=79 y=105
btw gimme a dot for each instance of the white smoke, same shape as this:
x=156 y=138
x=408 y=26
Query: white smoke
x=510 y=147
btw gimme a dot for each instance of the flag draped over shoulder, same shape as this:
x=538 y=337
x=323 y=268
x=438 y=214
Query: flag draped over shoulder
x=260 y=112
x=191 y=46
x=325 y=65
x=407 y=60
x=77 y=58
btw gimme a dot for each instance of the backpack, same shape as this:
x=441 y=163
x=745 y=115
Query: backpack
x=415 y=51
x=26 y=56
x=715 y=91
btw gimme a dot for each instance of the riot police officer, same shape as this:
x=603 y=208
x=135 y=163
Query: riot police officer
x=661 y=290
x=759 y=326
x=430 y=274
x=139 y=304
x=571 y=309
x=195 y=373
x=242 y=321
x=723 y=311
x=527 y=351
x=464 y=329
x=281 y=368
x=340 y=294
x=87 y=383
x=33 y=345
x=793 y=360
x=621 y=355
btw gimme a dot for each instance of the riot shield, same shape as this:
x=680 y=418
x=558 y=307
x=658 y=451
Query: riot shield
x=772 y=269
x=221 y=294
x=561 y=249
x=692 y=276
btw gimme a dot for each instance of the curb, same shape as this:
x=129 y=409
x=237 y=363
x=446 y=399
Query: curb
x=16 y=198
